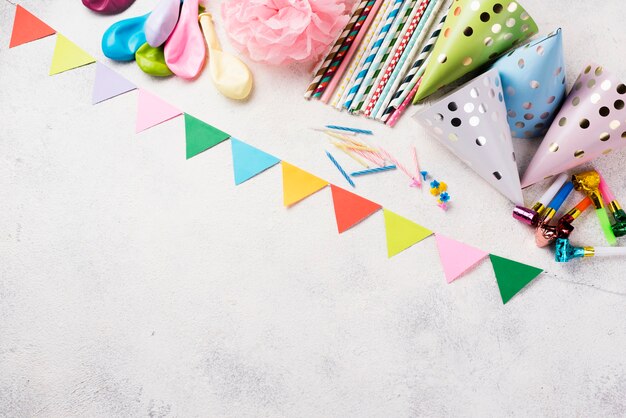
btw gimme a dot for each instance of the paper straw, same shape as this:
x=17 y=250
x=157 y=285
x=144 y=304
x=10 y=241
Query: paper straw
x=416 y=70
x=380 y=57
x=339 y=83
x=407 y=59
x=319 y=72
x=343 y=50
x=341 y=170
x=370 y=58
x=345 y=128
x=362 y=54
x=393 y=119
x=373 y=170
x=391 y=64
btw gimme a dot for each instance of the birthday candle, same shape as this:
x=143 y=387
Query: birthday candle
x=341 y=170
x=373 y=170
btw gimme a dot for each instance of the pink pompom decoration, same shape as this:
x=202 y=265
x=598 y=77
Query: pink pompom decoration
x=284 y=31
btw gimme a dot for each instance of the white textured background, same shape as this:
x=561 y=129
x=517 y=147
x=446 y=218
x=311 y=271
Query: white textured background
x=136 y=283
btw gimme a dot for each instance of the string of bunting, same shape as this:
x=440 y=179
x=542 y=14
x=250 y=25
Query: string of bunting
x=248 y=161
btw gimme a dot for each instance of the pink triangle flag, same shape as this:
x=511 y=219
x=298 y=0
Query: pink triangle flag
x=152 y=110
x=109 y=84
x=457 y=257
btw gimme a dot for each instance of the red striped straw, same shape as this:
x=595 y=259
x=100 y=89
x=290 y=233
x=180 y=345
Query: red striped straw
x=328 y=93
x=343 y=50
x=396 y=57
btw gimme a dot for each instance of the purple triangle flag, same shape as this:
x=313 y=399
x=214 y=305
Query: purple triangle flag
x=109 y=84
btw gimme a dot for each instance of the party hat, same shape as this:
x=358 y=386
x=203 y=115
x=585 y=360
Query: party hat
x=591 y=122
x=471 y=122
x=475 y=32
x=533 y=81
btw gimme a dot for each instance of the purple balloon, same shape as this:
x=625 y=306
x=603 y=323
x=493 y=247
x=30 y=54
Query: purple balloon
x=108 y=7
x=161 y=22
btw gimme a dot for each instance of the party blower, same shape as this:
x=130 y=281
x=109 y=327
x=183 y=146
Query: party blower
x=533 y=81
x=550 y=211
x=230 y=75
x=531 y=216
x=589 y=183
x=565 y=251
x=471 y=123
x=564 y=226
x=592 y=122
x=619 y=227
x=474 y=34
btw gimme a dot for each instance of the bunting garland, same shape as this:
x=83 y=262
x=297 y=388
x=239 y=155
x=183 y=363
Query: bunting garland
x=248 y=161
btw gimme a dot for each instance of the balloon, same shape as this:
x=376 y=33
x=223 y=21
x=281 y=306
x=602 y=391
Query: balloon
x=108 y=7
x=152 y=61
x=185 y=51
x=230 y=75
x=161 y=22
x=123 y=38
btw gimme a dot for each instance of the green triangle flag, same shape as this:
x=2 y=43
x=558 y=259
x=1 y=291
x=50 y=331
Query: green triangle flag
x=512 y=276
x=402 y=233
x=67 y=56
x=201 y=136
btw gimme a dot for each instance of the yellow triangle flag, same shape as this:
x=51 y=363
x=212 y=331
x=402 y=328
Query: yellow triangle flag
x=402 y=233
x=67 y=56
x=298 y=184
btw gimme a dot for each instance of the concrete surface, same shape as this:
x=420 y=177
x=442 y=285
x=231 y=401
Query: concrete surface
x=135 y=283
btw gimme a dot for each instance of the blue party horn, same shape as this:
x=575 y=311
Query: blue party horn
x=533 y=81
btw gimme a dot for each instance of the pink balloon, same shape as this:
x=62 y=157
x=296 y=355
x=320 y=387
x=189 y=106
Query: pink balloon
x=108 y=7
x=185 y=51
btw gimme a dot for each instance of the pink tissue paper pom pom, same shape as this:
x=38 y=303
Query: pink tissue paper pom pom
x=284 y=31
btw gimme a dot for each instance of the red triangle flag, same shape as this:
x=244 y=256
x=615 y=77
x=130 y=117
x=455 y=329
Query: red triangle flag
x=350 y=209
x=27 y=28
x=457 y=257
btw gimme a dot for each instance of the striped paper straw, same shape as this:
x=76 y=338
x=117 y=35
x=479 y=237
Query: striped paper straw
x=367 y=44
x=395 y=116
x=396 y=56
x=329 y=57
x=359 y=43
x=412 y=76
x=374 y=75
x=373 y=170
x=407 y=59
x=343 y=50
x=354 y=90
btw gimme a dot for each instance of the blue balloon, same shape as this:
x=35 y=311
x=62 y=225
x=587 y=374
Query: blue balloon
x=122 y=39
x=533 y=82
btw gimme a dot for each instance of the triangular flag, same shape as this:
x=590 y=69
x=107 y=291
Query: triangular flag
x=298 y=184
x=402 y=233
x=109 y=84
x=512 y=276
x=249 y=161
x=27 y=28
x=67 y=56
x=457 y=257
x=200 y=136
x=350 y=209
x=152 y=110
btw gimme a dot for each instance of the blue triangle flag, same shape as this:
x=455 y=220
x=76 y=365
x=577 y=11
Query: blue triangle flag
x=249 y=161
x=109 y=84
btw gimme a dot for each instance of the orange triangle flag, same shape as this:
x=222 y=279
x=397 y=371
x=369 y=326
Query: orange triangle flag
x=350 y=209
x=298 y=184
x=27 y=28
